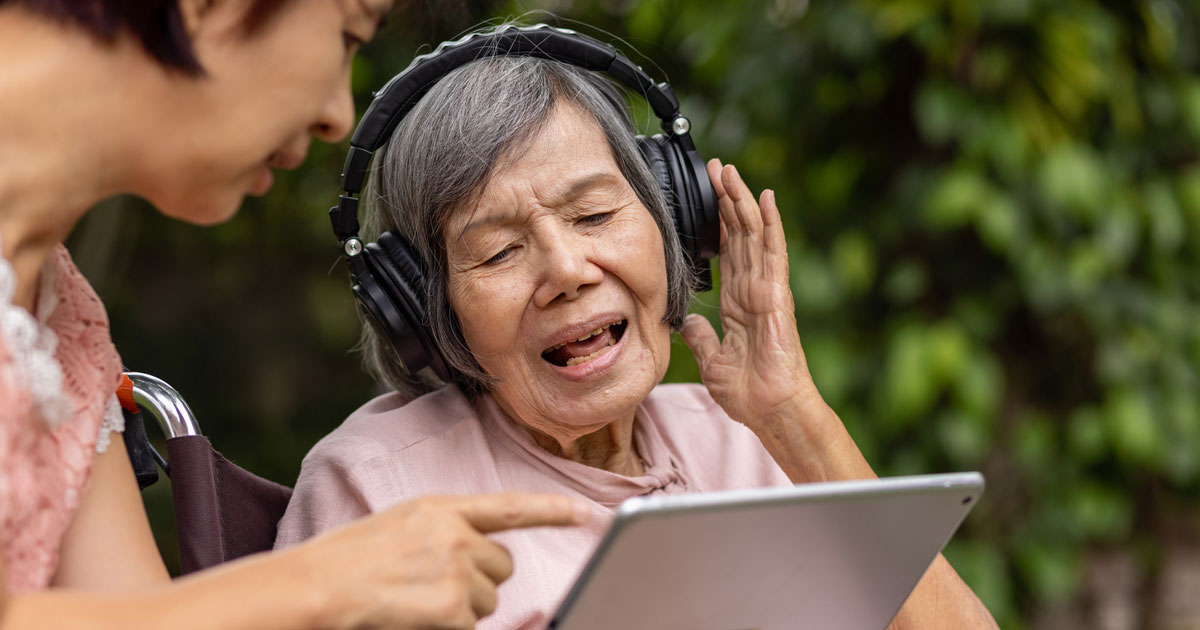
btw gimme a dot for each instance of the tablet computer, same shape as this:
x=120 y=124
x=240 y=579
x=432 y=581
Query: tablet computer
x=827 y=556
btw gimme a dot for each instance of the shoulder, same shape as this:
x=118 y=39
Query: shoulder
x=391 y=447
x=386 y=451
x=390 y=423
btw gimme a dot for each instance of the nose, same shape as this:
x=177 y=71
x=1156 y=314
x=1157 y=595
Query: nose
x=567 y=269
x=337 y=114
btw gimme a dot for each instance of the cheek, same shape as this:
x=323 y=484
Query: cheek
x=645 y=273
x=647 y=270
x=489 y=314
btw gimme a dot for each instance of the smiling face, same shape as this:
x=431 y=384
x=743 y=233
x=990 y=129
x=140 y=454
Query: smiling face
x=265 y=96
x=558 y=278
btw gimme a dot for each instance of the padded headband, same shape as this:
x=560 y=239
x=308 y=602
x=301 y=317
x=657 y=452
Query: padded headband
x=401 y=94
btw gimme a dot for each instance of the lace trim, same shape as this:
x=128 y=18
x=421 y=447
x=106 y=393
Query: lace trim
x=32 y=345
x=113 y=421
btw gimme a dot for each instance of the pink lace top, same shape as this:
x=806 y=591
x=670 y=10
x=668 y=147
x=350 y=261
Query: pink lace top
x=58 y=374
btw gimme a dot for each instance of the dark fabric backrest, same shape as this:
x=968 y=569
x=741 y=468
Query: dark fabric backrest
x=222 y=512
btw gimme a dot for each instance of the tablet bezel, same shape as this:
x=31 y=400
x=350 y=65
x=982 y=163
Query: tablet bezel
x=639 y=508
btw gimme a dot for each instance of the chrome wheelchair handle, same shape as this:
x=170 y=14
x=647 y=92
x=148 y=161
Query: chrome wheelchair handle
x=172 y=412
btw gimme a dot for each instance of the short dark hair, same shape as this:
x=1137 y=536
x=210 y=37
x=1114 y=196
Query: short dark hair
x=157 y=24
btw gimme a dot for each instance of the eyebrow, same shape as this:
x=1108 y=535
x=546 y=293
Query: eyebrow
x=576 y=190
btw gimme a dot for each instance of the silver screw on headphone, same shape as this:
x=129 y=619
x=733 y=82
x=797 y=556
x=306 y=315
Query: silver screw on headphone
x=681 y=125
x=353 y=247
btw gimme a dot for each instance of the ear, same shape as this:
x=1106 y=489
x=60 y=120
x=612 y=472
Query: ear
x=193 y=13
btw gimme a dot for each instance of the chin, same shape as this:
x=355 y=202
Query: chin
x=620 y=396
x=201 y=209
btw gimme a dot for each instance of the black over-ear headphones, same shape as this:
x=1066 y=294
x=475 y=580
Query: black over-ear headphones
x=388 y=277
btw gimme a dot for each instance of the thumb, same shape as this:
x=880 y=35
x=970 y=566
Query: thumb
x=699 y=335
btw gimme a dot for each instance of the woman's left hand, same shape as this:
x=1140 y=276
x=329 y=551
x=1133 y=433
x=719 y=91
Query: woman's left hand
x=758 y=371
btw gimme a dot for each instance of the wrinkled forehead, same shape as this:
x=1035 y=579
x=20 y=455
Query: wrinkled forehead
x=567 y=155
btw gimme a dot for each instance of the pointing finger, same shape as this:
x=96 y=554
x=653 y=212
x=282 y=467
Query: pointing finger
x=497 y=512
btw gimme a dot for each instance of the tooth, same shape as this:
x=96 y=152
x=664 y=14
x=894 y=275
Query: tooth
x=578 y=360
x=590 y=335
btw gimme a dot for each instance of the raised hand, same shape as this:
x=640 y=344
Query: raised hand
x=758 y=369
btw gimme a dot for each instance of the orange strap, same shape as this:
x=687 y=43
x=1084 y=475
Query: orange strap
x=125 y=394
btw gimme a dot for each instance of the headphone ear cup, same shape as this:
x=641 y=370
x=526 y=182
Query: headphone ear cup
x=397 y=271
x=691 y=199
x=652 y=150
x=698 y=198
x=652 y=154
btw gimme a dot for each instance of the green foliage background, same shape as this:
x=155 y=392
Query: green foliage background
x=993 y=211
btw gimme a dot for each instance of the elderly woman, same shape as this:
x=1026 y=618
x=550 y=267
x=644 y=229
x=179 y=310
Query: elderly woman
x=557 y=278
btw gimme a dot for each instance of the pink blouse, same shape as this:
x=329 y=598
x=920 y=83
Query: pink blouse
x=58 y=374
x=442 y=443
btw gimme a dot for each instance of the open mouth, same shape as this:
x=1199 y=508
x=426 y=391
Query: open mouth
x=587 y=347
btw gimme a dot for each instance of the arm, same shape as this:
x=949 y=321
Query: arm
x=108 y=544
x=421 y=564
x=759 y=375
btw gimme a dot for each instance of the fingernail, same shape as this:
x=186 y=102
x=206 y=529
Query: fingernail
x=583 y=513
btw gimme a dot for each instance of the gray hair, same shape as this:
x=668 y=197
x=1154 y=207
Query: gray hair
x=438 y=161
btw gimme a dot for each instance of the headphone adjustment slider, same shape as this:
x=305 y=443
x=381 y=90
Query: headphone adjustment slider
x=681 y=125
x=352 y=247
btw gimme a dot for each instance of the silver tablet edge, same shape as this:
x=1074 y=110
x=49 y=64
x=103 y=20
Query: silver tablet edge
x=631 y=510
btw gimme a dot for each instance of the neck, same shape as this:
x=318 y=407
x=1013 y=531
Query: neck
x=610 y=448
x=66 y=135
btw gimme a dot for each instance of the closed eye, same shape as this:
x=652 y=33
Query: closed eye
x=599 y=218
x=500 y=256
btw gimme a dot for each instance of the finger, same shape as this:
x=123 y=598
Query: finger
x=727 y=202
x=724 y=243
x=493 y=560
x=773 y=235
x=749 y=216
x=497 y=512
x=725 y=260
x=714 y=167
x=482 y=594
x=725 y=206
x=774 y=241
x=699 y=335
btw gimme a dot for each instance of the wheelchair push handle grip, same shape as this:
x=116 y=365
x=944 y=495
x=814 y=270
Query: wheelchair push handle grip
x=165 y=404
